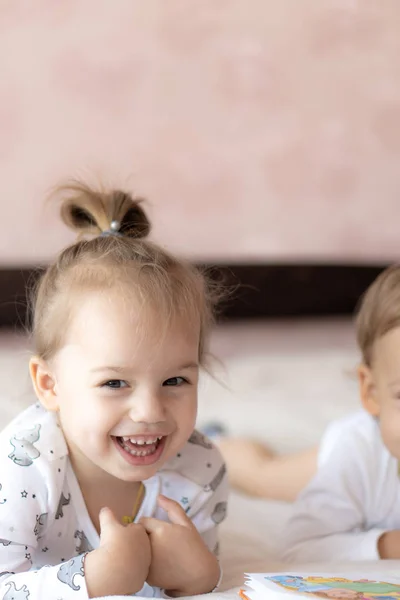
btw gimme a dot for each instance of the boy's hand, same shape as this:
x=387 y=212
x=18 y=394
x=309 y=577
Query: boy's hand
x=389 y=544
x=181 y=563
x=121 y=563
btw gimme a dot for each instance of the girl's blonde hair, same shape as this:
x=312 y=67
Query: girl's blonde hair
x=116 y=257
x=379 y=311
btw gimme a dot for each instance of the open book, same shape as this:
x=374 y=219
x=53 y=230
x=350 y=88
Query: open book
x=280 y=586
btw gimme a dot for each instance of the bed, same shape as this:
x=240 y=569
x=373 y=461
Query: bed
x=262 y=373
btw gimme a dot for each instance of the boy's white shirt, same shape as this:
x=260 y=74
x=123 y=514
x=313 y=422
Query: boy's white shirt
x=45 y=528
x=353 y=499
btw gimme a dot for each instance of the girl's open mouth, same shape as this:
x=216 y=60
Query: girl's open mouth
x=140 y=450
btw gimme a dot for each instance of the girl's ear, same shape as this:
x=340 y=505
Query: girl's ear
x=367 y=389
x=44 y=383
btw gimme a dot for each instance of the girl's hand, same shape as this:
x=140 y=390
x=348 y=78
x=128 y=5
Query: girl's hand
x=181 y=563
x=121 y=563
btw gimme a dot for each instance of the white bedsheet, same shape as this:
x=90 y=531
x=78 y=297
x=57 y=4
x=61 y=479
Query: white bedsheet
x=284 y=383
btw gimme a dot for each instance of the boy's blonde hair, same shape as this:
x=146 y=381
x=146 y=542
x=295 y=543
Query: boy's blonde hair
x=121 y=260
x=379 y=311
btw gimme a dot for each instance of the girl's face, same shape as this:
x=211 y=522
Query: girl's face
x=125 y=389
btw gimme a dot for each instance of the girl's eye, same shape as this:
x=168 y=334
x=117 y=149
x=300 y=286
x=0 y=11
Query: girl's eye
x=175 y=381
x=115 y=384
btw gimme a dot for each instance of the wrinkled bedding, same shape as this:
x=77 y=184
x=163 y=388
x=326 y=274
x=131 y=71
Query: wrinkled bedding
x=280 y=382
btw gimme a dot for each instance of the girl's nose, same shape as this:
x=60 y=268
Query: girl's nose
x=147 y=407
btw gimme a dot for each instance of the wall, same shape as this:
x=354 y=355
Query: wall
x=259 y=130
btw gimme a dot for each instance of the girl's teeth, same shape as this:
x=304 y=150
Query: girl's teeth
x=139 y=446
x=141 y=442
x=134 y=452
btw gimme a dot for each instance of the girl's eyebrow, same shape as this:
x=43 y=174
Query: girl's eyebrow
x=119 y=369
x=106 y=368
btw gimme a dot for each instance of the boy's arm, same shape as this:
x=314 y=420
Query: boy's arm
x=330 y=521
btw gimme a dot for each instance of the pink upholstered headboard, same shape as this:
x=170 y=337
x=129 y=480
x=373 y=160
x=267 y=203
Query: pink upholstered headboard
x=261 y=131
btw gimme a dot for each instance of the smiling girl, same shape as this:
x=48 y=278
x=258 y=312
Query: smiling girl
x=107 y=487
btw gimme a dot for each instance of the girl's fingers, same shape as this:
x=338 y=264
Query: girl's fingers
x=151 y=524
x=108 y=522
x=175 y=512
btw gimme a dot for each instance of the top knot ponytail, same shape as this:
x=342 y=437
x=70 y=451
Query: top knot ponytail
x=91 y=212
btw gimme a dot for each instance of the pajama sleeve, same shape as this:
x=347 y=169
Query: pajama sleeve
x=65 y=581
x=213 y=511
x=26 y=508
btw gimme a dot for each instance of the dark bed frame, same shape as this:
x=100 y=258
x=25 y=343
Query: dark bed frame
x=256 y=290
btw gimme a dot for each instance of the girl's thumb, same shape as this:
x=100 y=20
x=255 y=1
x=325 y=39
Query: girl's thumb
x=107 y=520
